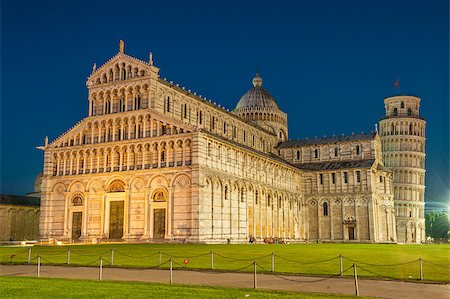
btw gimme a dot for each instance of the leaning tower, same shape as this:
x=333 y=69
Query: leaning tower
x=403 y=143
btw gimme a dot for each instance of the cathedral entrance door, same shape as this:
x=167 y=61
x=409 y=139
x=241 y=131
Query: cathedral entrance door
x=116 y=219
x=351 y=233
x=159 y=223
x=76 y=225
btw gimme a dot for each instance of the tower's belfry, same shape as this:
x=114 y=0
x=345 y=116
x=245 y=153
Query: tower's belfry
x=403 y=144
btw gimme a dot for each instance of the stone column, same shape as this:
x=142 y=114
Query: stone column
x=319 y=226
x=128 y=157
x=85 y=217
x=120 y=159
x=330 y=213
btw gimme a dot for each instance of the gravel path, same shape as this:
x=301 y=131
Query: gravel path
x=373 y=288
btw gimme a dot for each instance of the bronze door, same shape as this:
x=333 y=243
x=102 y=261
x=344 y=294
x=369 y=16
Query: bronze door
x=76 y=225
x=159 y=223
x=116 y=219
x=351 y=233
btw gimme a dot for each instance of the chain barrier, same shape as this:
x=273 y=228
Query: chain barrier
x=93 y=262
x=35 y=258
x=425 y=261
x=136 y=257
x=184 y=257
x=57 y=253
x=233 y=271
x=307 y=263
x=14 y=254
x=100 y=253
x=303 y=281
x=386 y=265
x=243 y=260
x=378 y=274
x=178 y=264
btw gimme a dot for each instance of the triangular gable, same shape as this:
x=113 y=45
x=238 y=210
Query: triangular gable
x=118 y=61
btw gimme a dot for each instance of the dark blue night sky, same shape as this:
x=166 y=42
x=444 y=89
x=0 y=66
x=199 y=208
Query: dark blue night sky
x=329 y=64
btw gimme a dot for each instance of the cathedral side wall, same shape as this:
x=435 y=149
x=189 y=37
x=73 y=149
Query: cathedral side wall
x=350 y=209
x=243 y=194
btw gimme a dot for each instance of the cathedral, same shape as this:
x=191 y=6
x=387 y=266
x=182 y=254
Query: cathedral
x=155 y=162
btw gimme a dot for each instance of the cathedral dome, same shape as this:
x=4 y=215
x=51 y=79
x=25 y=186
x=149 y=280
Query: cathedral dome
x=257 y=97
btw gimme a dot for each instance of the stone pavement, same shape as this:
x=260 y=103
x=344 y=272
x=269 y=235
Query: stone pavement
x=373 y=288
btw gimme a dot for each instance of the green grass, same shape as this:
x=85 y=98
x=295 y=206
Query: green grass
x=27 y=287
x=292 y=258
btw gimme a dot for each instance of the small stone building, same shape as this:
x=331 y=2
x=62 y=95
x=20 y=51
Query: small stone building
x=19 y=217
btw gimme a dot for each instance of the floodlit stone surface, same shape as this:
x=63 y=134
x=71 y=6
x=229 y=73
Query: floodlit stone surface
x=155 y=161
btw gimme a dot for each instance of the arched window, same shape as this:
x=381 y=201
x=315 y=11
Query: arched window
x=268 y=200
x=316 y=153
x=226 y=193
x=108 y=107
x=200 y=117
x=184 y=110
x=395 y=112
x=77 y=201
x=298 y=155
x=358 y=176
x=159 y=196
x=256 y=198
x=409 y=112
x=93 y=107
x=325 y=209
x=242 y=195
x=168 y=104
x=392 y=129
x=213 y=122
x=137 y=103
x=410 y=128
x=116 y=186
x=402 y=105
x=336 y=151
x=358 y=150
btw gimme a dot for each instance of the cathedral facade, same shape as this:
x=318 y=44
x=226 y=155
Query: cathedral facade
x=153 y=161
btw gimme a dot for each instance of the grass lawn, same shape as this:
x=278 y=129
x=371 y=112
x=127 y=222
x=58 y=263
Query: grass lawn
x=27 y=287
x=373 y=260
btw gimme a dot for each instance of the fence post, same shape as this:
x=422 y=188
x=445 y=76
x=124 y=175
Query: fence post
x=160 y=261
x=100 y=271
x=212 y=260
x=421 y=269
x=112 y=257
x=68 y=256
x=29 y=256
x=340 y=265
x=254 y=274
x=171 y=271
x=38 y=266
x=356 y=280
x=273 y=262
